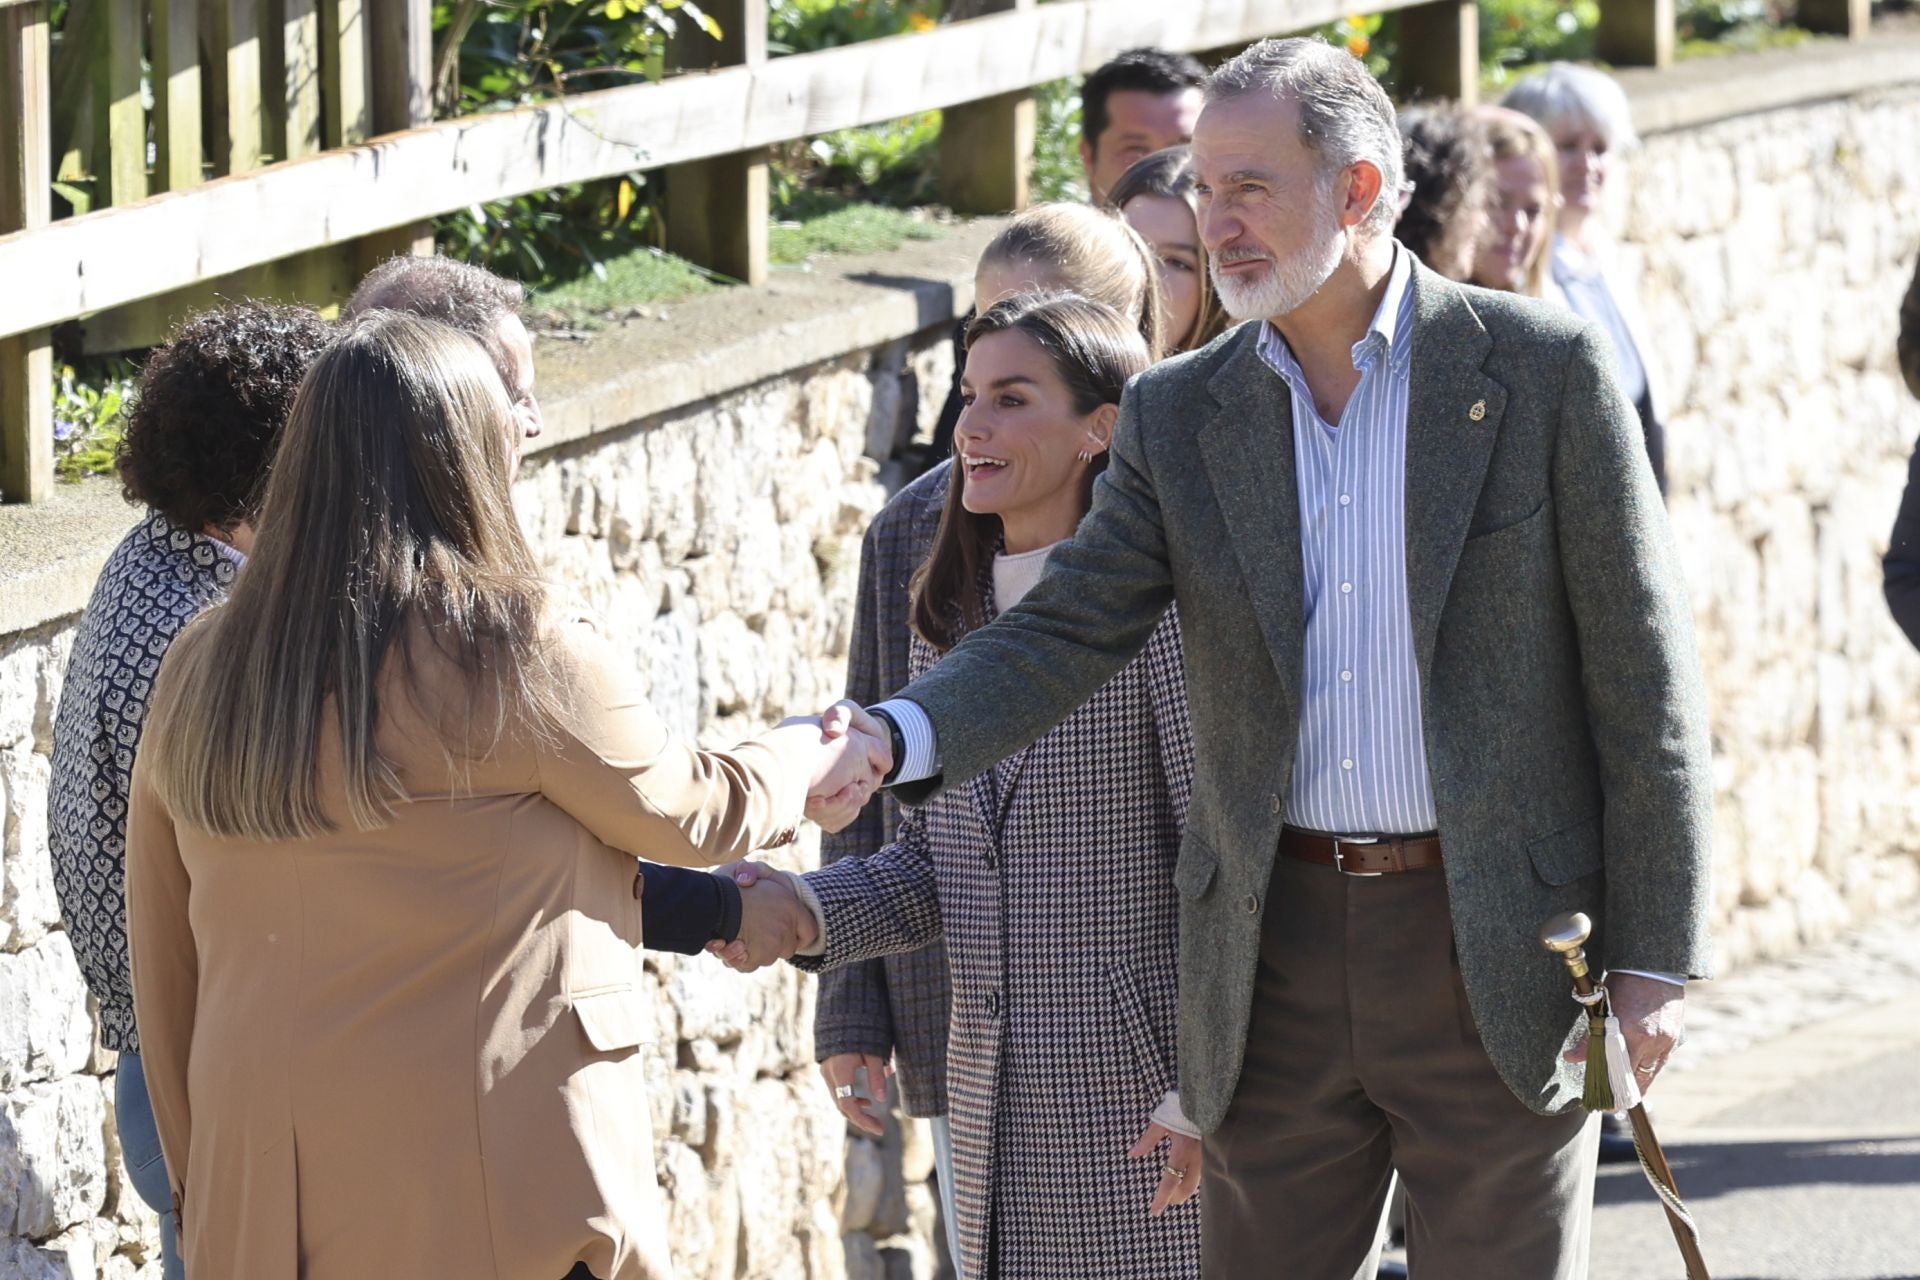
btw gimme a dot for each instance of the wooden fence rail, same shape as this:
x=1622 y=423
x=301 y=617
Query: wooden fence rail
x=324 y=157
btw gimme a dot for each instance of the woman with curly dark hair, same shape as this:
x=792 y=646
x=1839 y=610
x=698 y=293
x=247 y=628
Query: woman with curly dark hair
x=1449 y=187
x=206 y=418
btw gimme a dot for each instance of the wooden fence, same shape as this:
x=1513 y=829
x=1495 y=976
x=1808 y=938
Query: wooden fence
x=321 y=154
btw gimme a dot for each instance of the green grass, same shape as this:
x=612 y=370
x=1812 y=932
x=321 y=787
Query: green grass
x=1747 y=39
x=854 y=228
x=632 y=279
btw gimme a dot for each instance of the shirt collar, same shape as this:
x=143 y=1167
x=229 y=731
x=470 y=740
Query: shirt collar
x=1390 y=331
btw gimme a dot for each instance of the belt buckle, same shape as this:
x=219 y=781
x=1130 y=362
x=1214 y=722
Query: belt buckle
x=1340 y=856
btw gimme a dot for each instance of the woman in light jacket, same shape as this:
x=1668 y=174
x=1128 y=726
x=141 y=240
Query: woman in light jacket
x=1586 y=114
x=1050 y=877
x=382 y=863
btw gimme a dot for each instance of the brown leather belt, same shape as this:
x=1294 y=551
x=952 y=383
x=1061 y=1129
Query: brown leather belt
x=1361 y=856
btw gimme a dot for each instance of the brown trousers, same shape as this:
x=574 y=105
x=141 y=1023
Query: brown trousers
x=1361 y=1059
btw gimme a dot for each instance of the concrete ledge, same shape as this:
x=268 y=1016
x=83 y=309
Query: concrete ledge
x=50 y=553
x=717 y=343
x=1704 y=90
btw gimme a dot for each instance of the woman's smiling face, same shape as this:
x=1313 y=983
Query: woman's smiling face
x=1019 y=436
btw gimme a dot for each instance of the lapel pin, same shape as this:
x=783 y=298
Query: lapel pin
x=1478 y=411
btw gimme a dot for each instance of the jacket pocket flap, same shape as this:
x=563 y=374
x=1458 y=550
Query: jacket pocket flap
x=613 y=1019
x=1193 y=871
x=1563 y=856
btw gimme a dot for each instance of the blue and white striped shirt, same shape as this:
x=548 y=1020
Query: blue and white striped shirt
x=1361 y=766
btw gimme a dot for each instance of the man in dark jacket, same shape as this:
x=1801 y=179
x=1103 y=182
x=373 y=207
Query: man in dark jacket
x=1902 y=564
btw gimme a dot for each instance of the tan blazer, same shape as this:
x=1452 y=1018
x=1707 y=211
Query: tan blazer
x=413 y=1051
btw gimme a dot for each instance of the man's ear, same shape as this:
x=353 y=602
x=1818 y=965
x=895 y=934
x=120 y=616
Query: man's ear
x=1086 y=162
x=1100 y=427
x=1363 y=191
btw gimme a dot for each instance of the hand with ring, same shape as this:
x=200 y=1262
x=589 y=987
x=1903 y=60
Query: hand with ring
x=1179 y=1175
x=842 y=1072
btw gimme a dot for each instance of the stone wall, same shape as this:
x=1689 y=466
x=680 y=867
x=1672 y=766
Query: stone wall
x=1775 y=248
x=724 y=539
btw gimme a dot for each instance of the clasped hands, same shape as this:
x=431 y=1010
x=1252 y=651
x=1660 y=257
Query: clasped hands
x=855 y=755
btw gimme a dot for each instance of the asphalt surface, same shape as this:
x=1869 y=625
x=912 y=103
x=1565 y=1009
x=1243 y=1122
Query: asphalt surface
x=1791 y=1117
x=1815 y=1178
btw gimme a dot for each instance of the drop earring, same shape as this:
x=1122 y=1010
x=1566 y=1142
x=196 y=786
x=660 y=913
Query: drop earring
x=1086 y=455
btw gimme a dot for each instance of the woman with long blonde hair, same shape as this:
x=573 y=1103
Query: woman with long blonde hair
x=1515 y=253
x=382 y=862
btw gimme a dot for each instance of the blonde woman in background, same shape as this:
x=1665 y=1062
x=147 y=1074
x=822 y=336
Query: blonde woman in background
x=384 y=896
x=1155 y=196
x=896 y=1009
x=1513 y=256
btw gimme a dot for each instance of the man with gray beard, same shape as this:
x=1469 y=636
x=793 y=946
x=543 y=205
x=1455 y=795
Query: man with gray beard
x=1443 y=685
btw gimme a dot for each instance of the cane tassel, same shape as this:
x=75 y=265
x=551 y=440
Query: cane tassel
x=1626 y=1088
x=1599 y=1090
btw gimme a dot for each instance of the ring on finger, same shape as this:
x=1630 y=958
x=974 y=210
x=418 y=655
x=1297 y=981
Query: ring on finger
x=843 y=1091
x=1179 y=1175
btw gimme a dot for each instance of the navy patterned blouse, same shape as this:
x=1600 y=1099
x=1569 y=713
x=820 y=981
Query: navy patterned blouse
x=157 y=580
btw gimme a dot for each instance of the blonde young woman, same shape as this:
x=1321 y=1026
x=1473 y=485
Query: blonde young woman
x=895 y=1010
x=1515 y=253
x=1155 y=195
x=1050 y=878
x=382 y=863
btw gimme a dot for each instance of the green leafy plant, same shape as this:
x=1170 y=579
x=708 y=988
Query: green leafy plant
x=89 y=415
x=1057 y=171
x=802 y=26
x=1371 y=37
x=1516 y=35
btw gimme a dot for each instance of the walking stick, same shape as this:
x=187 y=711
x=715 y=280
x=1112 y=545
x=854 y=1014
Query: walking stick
x=1565 y=935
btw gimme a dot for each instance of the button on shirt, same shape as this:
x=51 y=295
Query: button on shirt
x=1361 y=764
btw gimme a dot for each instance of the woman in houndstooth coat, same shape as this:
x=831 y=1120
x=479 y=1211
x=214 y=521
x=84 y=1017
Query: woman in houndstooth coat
x=1051 y=877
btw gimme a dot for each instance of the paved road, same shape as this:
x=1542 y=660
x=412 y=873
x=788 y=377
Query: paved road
x=1793 y=1124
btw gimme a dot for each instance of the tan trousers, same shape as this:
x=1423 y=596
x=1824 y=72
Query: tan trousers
x=1362 y=1058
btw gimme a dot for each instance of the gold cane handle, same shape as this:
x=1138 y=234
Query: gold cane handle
x=1566 y=936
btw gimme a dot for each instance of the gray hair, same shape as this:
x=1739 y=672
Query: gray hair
x=1345 y=115
x=1565 y=94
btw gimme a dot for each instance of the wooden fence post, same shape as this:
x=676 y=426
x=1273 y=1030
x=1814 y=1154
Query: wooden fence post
x=176 y=94
x=26 y=177
x=291 y=70
x=986 y=147
x=1440 y=51
x=119 y=118
x=233 y=84
x=718 y=210
x=400 y=62
x=1847 y=18
x=1636 y=33
x=344 y=65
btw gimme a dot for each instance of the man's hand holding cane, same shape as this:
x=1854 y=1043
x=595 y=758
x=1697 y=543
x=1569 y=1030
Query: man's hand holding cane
x=1651 y=1013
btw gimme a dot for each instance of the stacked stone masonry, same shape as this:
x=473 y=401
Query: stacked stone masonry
x=723 y=538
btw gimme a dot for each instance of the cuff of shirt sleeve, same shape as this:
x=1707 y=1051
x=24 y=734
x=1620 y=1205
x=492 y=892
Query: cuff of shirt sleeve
x=916 y=731
x=812 y=901
x=1676 y=979
x=1168 y=1115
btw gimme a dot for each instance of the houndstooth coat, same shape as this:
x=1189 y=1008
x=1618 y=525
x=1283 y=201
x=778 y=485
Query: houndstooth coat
x=1052 y=875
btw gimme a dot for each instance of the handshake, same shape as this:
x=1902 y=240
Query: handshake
x=856 y=754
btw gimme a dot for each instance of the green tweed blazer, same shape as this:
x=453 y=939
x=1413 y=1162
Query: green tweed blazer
x=1565 y=721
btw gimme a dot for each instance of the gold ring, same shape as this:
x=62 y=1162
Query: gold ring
x=1179 y=1175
